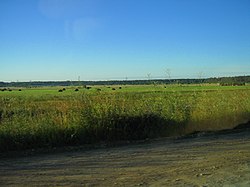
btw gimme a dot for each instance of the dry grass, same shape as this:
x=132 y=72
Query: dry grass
x=52 y=120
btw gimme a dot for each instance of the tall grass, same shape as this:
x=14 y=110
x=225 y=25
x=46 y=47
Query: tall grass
x=53 y=120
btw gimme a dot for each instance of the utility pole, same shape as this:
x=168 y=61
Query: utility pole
x=79 y=80
x=168 y=74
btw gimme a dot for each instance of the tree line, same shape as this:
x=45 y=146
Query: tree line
x=226 y=81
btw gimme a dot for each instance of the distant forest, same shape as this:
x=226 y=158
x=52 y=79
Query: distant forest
x=224 y=81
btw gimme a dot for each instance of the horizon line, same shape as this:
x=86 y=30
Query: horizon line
x=127 y=79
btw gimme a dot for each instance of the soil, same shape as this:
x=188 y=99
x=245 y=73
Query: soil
x=200 y=159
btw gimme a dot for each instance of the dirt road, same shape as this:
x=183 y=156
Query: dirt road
x=220 y=159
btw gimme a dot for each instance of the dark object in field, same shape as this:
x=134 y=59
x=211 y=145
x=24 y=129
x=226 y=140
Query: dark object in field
x=20 y=90
x=113 y=88
x=99 y=89
x=88 y=87
x=120 y=87
x=60 y=90
x=10 y=90
x=76 y=90
x=64 y=89
x=232 y=84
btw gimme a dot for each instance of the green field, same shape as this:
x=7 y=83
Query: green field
x=44 y=117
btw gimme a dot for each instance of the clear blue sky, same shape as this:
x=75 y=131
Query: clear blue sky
x=114 y=39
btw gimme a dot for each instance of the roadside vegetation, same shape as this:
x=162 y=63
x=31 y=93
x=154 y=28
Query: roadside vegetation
x=59 y=116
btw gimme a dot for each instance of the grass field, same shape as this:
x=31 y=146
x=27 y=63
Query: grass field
x=44 y=117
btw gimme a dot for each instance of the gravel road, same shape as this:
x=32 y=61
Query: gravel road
x=202 y=159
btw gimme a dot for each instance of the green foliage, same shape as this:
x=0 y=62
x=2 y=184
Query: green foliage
x=36 y=84
x=47 y=118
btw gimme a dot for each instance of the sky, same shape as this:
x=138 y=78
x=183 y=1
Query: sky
x=42 y=40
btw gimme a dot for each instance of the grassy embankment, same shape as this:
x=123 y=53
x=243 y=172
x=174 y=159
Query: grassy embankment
x=34 y=118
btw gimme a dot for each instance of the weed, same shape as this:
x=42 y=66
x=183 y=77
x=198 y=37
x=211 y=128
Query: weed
x=46 y=120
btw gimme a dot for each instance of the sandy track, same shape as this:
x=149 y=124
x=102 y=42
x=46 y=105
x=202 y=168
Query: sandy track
x=208 y=160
